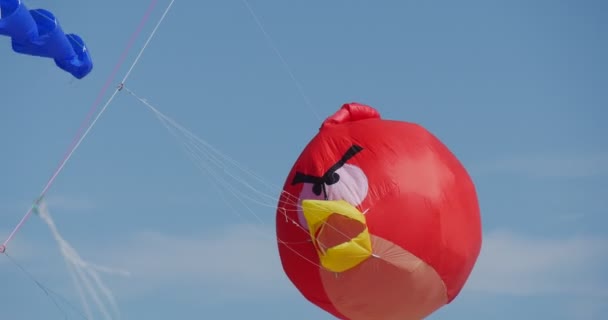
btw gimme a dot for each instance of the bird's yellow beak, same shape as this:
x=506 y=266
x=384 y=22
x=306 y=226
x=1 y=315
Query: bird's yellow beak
x=339 y=232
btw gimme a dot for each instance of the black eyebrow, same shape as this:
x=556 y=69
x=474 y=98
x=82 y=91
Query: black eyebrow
x=327 y=177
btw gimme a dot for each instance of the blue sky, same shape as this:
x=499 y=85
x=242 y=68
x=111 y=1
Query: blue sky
x=517 y=89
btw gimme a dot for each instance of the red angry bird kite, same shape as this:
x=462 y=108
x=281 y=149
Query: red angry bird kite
x=377 y=219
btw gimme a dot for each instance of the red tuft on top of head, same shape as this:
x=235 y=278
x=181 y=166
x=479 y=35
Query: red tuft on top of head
x=350 y=112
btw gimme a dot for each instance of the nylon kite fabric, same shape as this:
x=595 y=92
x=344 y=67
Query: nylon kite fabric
x=38 y=33
x=403 y=191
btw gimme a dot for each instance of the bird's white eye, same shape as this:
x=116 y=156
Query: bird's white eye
x=351 y=186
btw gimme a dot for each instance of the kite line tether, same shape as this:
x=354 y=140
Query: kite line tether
x=84 y=129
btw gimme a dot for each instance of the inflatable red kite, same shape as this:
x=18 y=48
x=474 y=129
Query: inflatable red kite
x=377 y=219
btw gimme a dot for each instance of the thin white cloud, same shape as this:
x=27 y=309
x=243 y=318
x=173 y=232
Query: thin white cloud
x=69 y=203
x=523 y=265
x=234 y=259
x=22 y=248
x=543 y=165
x=18 y=248
x=59 y=202
x=241 y=261
x=242 y=258
x=225 y=264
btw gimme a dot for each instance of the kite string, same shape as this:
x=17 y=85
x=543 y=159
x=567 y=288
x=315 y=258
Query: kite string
x=147 y=42
x=46 y=290
x=207 y=151
x=80 y=135
x=282 y=59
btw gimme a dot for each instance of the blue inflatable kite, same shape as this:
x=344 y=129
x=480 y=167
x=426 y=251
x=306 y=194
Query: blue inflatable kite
x=38 y=33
